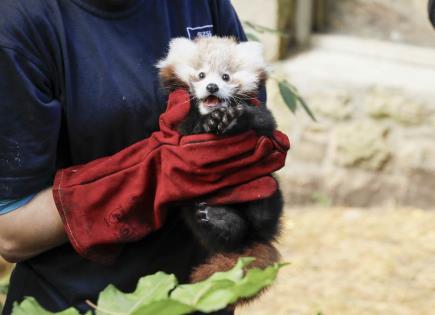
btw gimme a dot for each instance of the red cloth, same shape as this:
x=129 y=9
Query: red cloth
x=124 y=197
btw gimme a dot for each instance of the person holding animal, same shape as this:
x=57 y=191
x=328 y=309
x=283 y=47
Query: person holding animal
x=81 y=159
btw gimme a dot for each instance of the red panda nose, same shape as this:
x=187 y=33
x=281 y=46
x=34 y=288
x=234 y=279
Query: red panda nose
x=212 y=88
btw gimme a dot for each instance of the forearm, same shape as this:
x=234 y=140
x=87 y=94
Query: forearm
x=31 y=229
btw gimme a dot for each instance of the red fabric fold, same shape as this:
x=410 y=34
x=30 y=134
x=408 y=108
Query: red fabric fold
x=124 y=197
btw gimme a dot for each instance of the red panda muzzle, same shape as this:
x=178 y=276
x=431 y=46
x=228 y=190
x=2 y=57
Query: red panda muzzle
x=212 y=101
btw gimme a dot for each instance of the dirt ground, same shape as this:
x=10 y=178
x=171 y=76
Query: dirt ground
x=354 y=262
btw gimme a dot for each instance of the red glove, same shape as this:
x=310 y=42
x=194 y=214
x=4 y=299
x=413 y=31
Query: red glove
x=122 y=198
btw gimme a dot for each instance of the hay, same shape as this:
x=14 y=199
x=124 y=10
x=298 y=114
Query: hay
x=354 y=262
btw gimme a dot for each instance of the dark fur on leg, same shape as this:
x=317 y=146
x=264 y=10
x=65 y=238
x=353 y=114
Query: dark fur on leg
x=264 y=217
x=234 y=227
x=218 y=228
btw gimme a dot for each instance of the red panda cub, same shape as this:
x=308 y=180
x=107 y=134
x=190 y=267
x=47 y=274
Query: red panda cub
x=222 y=76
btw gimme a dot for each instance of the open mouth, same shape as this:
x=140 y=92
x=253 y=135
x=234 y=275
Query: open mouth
x=212 y=101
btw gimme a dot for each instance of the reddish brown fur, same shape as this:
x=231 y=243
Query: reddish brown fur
x=262 y=76
x=170 y=80
x=264 y=254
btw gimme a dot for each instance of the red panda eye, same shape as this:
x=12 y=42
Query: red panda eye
x=225 y=77
x=201 y=75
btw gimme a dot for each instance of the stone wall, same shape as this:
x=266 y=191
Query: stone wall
x=370 y=146
x=273 y=14
x=374 y=142
x=403 y=21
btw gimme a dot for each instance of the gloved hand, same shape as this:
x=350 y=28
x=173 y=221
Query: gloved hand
x=122 y=198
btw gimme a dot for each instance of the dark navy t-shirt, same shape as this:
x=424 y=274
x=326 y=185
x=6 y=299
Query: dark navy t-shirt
x=78 y=82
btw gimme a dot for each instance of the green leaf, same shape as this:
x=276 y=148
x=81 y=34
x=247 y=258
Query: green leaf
x=159 y=294
x=3 y=288
x=257 y=279
x=193 y=293
x=292 y=98
x=234 y=274
x=225 y=288
x=197 y=295
x=149 y=289
x=306 y=108
x=252 y=37
x=288 y=95
x=31 y=307
x=164 y=307
x=263 y=29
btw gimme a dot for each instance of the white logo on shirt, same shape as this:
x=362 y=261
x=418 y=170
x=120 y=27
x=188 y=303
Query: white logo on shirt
x=200 y=31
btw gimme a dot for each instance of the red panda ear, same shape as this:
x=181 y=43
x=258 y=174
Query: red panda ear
x=170 y=80
x=251 y=51
x=174 y=69
x=181 y=51
x=263 y=75
x=251 y=56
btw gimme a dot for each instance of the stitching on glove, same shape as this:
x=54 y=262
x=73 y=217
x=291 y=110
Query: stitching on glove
x=59 y=192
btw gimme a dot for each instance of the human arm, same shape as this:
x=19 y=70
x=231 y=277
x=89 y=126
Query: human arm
x=29 y=125
x=31 y=229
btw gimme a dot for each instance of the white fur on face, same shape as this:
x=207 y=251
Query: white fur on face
x=214 y=56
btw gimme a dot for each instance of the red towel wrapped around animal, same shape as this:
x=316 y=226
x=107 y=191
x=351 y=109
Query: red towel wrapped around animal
x=124 y=197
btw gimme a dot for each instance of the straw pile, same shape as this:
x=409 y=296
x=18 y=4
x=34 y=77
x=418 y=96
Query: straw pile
x=354 y=262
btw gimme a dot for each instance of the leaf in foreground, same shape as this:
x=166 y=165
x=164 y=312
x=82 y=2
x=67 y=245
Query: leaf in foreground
x=151 y=288
x=31 y=306
x=226 y=288
x=159 y=294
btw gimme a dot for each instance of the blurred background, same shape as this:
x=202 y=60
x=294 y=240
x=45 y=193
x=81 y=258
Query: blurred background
x=359 y=229
x=359 y=183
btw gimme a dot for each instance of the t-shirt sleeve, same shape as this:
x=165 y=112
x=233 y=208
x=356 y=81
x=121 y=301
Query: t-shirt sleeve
x=29 y=125
x=228 y=22
x=10 y=205
x=229 y=25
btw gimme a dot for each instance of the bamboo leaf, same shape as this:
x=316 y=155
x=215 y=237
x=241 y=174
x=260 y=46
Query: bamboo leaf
x=306 y=108
x=252 y=37
x=289 y=97
x=264 y=29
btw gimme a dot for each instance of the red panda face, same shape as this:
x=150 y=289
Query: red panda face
x=214 y=70
x=213 y=88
